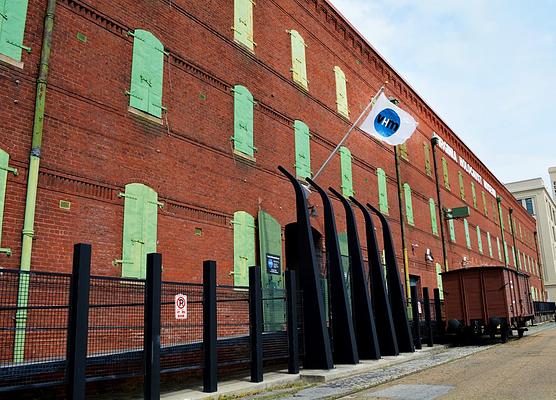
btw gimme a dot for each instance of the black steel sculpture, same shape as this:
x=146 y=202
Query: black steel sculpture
x=362 y=310
x=395 y=289
x=379 y=295
x=343 y=334
x=318 y=352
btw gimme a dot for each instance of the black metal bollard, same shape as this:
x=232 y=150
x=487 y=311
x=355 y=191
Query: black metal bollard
x=151 y=347
x=256 y=324
x=210 y=383
x=438 y=315
x=78 y=326
x=416 y=323
x=293 y=338
x=428 y=322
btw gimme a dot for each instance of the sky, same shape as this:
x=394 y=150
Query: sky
x=486 y=67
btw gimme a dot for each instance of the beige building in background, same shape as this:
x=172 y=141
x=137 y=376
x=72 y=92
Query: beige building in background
x=532 y=195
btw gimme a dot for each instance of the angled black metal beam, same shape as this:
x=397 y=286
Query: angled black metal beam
x=395 y=289
x=379 y=295
x=362 y=309
x=318 y=351
x=343 y=334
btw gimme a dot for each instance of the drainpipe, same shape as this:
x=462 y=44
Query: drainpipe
x=540 y=265
x=501 y=219
x=512 y=230
x=434 y=143
x=32 y=183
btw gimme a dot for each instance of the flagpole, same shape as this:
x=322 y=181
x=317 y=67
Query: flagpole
x=348 y=133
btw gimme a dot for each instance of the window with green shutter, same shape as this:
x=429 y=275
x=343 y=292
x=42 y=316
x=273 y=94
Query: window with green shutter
x=499 y=249
x=467 y=237
x=506 y=254
x=439 y=281
x=243 y=121
x=347 y=180
x=510 y=227
x=302 y=150
x=479 y=240
x=147 y=71
x=13 y=14
x=494 y=213
x=244 y=247
x=4 y=169
x=140 y=229
x=485 y=208
x=518 y=257
x=434 y=224
x=513 y=256
x=382 y=190
x=344 y=254
x=408 y=204
x=461 y=186
x=452 y=230
x=445 y=173
x=403 y=151
x=299 y=67
x=426 y=150
x=243 y=23
x=489 y=245
x=474 y=194
x=341 y=92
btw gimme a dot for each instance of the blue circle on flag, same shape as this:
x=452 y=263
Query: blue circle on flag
x=387 y=122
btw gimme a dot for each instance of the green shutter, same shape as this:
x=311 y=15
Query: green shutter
x=506 y=254
x=299 y=68
x=452 y=230
x=434 y=224
x=501 y=215
x=518 y=259
x=244 y=247
x=499 y=249
x=461 y=186
x=243 y=121
x=467 y=237
x=510 y=223
x=302 y=150
x=479 y=240
x=243 y=23
x=474 y=194
x=408 y=204
x=147 y=72
x=382 y=190
x=403 y=151
x=341 y=92
x=489 y=245
x=347 y=180
x=13 y=14
x=344 y=253
x=439 y=281
x=520 y=232
x=485 y=208
x=4 y=168
x=140 y=229
x=445 y=173
x=513 y=256
x=427 y=159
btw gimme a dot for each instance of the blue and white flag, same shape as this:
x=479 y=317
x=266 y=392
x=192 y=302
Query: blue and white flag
x=388 y=122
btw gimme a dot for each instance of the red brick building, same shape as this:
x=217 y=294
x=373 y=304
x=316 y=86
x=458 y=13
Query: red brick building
x=165 y=122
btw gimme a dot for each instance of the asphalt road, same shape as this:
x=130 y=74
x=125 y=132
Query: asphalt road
x=520 y=369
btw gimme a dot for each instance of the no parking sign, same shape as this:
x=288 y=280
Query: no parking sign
x=180 y=301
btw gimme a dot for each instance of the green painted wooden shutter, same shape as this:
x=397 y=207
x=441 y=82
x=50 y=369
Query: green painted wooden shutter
x=341 y=92
x=347 y=180
x=510 y=227
x=489 y=245
x=479 y=240
x=461 y=186
x=452 y=230
x=140 y=229
x=439 y=281
x=344 y=253
x=382 y=190
x=445 y=173
x=428 y=168
x=506 y=254
x=13 y=14
x=4 y=168
x=299 y=68
x=513 y=256
x=474 y=194
x=244 y=247
x=518 y=258
x=434 y=224
x=467 y=237
x=243 y=121
x=302 y=150
x=499 y=249
x=243 y=23
x=408 y=204
x=147 y=73
x=485 y=208
x=403 y=151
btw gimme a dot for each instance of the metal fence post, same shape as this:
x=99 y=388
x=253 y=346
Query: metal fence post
x=416 y=322
x=209 y=327
x=151 y=346
x=428 y=322
x=78 y=326
x=438 y=314
x=256 y=324
x=293 y=338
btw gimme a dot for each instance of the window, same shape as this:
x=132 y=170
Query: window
x=479 y=240
x=494 y=213
x=147 y=71
x=434 y=224
x=382 y=191
x=341 y=92
x=499 y=250
x=518 y=258
x=243 y=121
x=439 y=281
x=299 y=68
x=244 y=246
x=140 y=229
x=445 y=173
x=408 y=204
x=489 y=245
x=452 y=230
x=403 y=151
x=528 y=204
x=427 y=159
x=243 y=23
x=345 y=163
x=302 y=150
x=461 y=186
x=13 y=14
x=514 y=257
x=506 y=254
x=467 y=237
x=485 y=208
x=4 y=169
x=474 y=195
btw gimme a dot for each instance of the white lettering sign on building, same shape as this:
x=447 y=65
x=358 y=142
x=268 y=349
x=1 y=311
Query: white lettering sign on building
x=180 y=301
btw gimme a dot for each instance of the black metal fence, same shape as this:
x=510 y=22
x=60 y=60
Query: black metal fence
x=544 y=307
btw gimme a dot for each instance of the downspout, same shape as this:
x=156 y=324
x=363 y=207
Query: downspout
x=512 y=230
x=434 y=143
x=32 y=183
x=540 y=264
x=501 y=219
